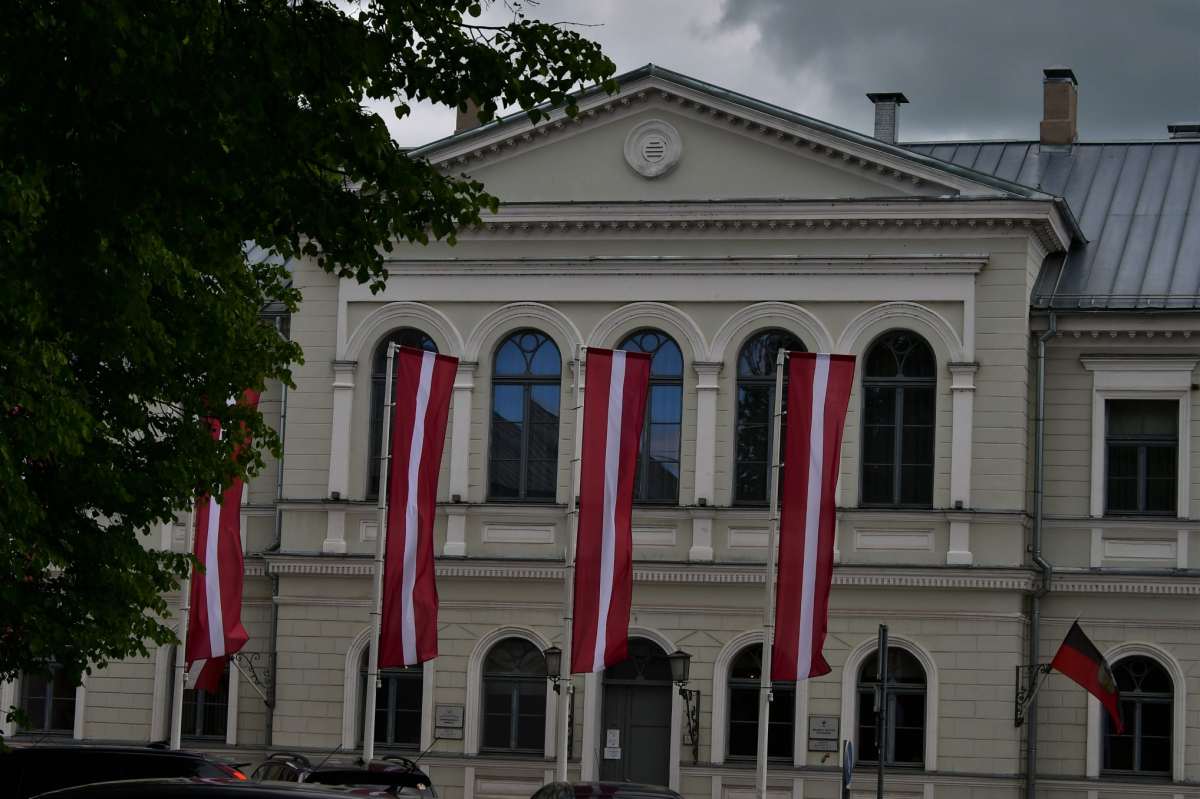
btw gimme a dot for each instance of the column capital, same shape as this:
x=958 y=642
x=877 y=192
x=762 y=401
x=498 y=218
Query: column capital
x=706 y=373
x=343 y=373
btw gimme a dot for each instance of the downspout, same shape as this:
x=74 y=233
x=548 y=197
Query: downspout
x=1035 y=604
x=276 y=542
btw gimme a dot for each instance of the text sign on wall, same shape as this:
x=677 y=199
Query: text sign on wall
x=823 y=733
x=449 y=716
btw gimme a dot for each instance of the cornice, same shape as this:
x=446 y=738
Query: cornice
x=845 y=575
x=784 y=219
x=691 y=265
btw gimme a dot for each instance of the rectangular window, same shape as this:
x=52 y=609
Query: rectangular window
x=1142 y=444
x=49 y=705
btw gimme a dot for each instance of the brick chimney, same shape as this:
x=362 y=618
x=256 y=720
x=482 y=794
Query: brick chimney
x=467 y=119
x=1060 y=101
x=886 y=106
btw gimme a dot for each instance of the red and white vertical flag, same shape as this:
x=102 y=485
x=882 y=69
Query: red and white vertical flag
x=424 y=383
x=617 y=385
x=818 y=393
x=215 y=628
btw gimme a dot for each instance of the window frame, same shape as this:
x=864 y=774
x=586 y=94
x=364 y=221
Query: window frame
x=1096 y=713
x=1148 y=378
x=755 y=685
x=390 y=677
x=230 y=715
x=49 y=698
x=897 y=385
x=527 y=381
x=657 y=381
x=515 y=681
x=378 y=402
x=1142 y=442
x=865 y=691
x=1133 y=722
x=758 y=381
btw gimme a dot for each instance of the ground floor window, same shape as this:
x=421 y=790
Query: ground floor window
x=904 y=735
x=1147 y=695
x=48 y=703
x=398 y=699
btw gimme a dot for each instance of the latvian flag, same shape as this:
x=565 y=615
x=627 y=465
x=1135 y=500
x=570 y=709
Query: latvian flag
x=617 y=384
x=1079 y=659
x=424 y=383
x=818 y=393
x=215 y=628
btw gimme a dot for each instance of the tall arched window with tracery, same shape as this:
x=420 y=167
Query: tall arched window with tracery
x=514 y=698
x=755 y=409
x=523 y=459
x=657 y=476
x=1147 y=697
x=899 y=405
x=904 y=737
x=405 y=337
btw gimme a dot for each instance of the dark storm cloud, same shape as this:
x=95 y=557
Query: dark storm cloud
x=974 y=69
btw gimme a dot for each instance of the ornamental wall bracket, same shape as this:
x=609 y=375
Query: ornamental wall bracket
x=1027 y=689
x=260 y=681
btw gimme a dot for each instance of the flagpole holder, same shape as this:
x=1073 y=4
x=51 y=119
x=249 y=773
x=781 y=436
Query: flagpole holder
x=1027 y=689
x=262 y=682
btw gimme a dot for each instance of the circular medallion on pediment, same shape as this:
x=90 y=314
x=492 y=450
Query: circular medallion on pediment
x=653 y=147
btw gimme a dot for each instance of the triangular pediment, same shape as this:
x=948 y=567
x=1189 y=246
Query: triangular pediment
x=727 y=147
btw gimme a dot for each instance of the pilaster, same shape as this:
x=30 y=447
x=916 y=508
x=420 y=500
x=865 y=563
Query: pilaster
x=339 y=443
x=460 y=453
x=962 y=393
x=707 y=373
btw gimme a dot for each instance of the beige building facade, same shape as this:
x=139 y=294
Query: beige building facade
x=709 y=228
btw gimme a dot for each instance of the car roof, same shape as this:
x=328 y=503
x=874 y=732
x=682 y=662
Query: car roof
x=620 y=788
x=201 y=788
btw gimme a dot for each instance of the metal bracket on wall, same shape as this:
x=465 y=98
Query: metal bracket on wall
x=262 y=682
x=1027 y=690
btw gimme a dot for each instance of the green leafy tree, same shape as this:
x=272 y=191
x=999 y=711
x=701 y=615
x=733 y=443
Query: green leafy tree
x=141 y=146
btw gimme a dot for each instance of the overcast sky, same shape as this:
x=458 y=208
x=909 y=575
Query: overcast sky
x=970 y=68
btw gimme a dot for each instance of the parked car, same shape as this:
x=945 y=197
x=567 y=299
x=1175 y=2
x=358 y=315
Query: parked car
x=395 y=775
x=33 y=770
x=607 y=790
x=204 y=788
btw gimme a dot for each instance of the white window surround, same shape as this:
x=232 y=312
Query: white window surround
x=472 y=728
x=720 y=701
x=760 y=315
x=593 y=715
x=639 y=315
x=9 y=696
x=391 y=317
x=352 y=721
x=518 y=315
x=160 y=714
x=854 y=664
x=1149 y=378
x=1178 y=707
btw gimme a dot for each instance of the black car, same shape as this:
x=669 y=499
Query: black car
x=394 y=775
x=203 y=788
x=604 y=790
x=26 y=772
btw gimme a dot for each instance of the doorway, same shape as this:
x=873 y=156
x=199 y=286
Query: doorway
x=636 y=730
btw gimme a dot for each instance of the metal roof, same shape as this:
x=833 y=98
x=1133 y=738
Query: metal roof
x=1137 y=203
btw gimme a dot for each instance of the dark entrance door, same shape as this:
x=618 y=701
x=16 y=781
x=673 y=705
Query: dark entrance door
x=637 y=716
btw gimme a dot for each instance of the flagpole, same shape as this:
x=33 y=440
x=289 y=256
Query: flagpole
x=380 y=542
x=185 y=607
x=764 y=699
x=565 y=702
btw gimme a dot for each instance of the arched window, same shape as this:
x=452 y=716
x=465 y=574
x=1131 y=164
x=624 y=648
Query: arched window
x=405 y=337
x=514 y=697
x=49 y=704
x=744 y=684
x=755 y=408
x=205 y=715
x=657 y=477
x=523 y=463
x=397 y=704
x=1147 y=695
x=904 y=738
x=899 y=401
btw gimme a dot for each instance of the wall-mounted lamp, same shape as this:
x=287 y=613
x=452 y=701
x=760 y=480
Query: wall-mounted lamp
x=553 y=657
x=681 y=666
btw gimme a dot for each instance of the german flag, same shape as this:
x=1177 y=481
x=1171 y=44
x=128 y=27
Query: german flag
x=1079 y=659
